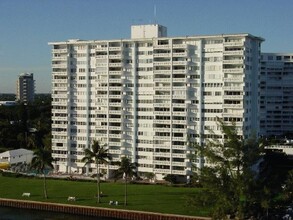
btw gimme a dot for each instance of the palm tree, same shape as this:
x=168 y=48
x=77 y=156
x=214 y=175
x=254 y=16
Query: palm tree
x=126 y=169
x=98 y=155
x=42 y=161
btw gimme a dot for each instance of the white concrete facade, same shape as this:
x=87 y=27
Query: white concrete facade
x=276 y=94
x=145 y=97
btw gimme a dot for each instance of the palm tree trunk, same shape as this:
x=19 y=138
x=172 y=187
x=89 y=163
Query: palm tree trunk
x=45 y=186
x=125 y=191
x=98 y=182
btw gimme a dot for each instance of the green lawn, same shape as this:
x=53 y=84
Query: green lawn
x=153 y=198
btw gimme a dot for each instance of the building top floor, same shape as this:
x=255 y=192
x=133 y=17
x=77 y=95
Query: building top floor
x=277 y=57
x=144 y=33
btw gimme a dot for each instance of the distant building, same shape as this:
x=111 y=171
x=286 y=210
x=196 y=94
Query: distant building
x=287 y=149
x=16 y=156
x=25 y=89
x=8 y=103
x=144 y=97
x=276 y=94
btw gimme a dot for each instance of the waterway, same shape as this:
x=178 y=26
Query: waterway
x=7 y=213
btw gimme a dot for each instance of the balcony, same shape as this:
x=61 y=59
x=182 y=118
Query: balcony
x=165 y=63
x=162 y=88
x=233 y=70
x=161 y=104
x=167 y=72
x=115 y=64
x=155 y=55
x=179 y=172
x=114 y=135
x=63 y=73
x=114 y=48
x=233 y=88
x=116 y=128
x=162 y=79
x=181 y=164
x=234 y=44
x=232 y=61
x=116 y=88
x=165 y=171
x=101 y=48
x=114 y=151
x=159 y=154
x=233 y=97
x=233 y=53
x=179 y=130
x=115 y=73
x=117 y=144
x=114 y=80
x=63 y=58
x=179 y=147
x=179 y=122
x=60 y=50
x=179 y=155
x=233 y=79
x=114 y=119
x=59 y=65
x=162 y=138
x=183 y=80
x=163 y=121
x=162 y=96
x=101 y=57
x=233 y=106
x=182 y=71
x=175 y=63
x=161 y=162
x=118 y=56
x=161 y=46
x=179 y=54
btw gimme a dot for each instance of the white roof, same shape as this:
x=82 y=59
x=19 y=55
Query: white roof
x=15 y=153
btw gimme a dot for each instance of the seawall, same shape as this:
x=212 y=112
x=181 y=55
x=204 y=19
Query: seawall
x=94 y=211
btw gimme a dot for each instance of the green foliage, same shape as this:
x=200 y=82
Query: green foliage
x=98 y=155
x=16 y=123
x=126 y=170
x=41 y=161
x=171 y=178
x=288 y=187
x=225 y=180
x=152 y=198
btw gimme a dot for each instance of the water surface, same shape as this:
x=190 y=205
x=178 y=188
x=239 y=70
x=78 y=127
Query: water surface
x=8 y=213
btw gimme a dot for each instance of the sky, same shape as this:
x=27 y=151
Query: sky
x=26 y=27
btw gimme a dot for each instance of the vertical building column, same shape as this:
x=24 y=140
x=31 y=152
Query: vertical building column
x=134 y=104
x=87 y=103
x=171 y=104
x=200 y=102
x=68 y=140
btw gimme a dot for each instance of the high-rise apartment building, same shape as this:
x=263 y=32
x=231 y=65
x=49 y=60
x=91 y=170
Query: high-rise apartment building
x=276 y=94
x=25 y=88
x=145 y=97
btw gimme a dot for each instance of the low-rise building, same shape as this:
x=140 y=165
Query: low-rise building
x=16 y=156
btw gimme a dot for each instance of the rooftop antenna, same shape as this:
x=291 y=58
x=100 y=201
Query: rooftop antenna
x=155 y=14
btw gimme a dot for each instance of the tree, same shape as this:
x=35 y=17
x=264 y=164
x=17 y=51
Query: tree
x=98 y=155
x=42 y=161
x=226 y=179
x=150 y=176
x=288 y=187
x=126 y=170
x=171 y=178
